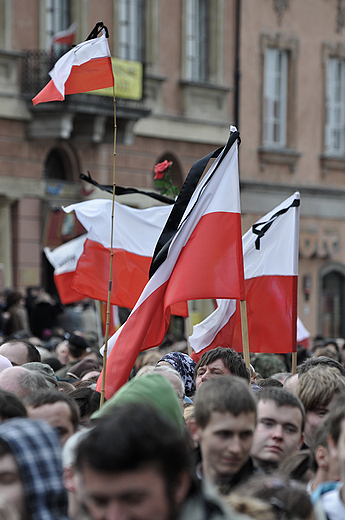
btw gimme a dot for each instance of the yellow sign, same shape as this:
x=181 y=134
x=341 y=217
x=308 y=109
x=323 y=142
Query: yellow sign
x=128 y=77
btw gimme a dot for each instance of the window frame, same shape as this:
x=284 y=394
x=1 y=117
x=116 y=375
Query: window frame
x=275 y=98
x=335 y=103
x=57 y=18
x=131 y=21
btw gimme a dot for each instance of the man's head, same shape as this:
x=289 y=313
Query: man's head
x=223 y=425
x=21 y=381
x=220 y=362
x=11 y=406
x=56 y=408
x=175 y=379
x=323 y=461
x=336 y=437
x=280 y=426
x=320 y=361
x=31 y=484
x=145 y=474
x=20 y=352
x=77 y=347
x=317 y=389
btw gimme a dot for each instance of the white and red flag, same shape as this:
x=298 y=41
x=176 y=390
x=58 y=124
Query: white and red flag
x=65 y=37
x=270 y=250
x=84 y=68
x=135 y=234
x=203 y=259
x=64 y=259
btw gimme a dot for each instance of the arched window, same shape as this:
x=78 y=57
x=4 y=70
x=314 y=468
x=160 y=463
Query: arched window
x=58 y=165
x=332 y=301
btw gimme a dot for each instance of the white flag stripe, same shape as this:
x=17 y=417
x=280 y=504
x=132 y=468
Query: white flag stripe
x=205 y=332
x=64 y=258
x=135 y=230
x=277 y=254
x=80 y=54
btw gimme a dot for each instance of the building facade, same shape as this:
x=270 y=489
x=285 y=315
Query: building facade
x=275 y=68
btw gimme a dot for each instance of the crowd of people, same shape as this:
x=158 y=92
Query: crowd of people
x=180 y=440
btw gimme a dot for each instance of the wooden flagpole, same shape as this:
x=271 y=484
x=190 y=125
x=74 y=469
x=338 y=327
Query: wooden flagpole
x=105 y=353
x=294 y=363
x=245 y=338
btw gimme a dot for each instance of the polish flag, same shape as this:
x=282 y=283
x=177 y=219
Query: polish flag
x=135 y=234
x=65 y=37
x=64 y=259
x=270 y=250
x=204 y=260
x=84 y=68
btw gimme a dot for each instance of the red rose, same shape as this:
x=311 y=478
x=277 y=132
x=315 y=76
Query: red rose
x=161 y=168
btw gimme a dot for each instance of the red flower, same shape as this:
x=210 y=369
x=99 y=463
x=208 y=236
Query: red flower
x=161 y=168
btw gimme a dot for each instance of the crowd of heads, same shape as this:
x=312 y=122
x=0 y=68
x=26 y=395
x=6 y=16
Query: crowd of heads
x=208 y=437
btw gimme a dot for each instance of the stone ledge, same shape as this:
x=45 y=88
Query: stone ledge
x=278 y=156
x=205 y=100
x=332 y=162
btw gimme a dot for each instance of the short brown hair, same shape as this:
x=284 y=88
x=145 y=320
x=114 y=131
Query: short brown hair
x=222 y=394
x=231 y=359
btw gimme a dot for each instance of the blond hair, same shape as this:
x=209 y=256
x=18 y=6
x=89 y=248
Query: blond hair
x=317 y=387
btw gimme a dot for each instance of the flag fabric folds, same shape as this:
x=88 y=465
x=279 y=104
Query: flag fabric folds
x=64 y=259
x=270 y=250
x=204 y=260
x=84 y=68
x=135 y=234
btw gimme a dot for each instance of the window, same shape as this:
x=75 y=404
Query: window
x=197 y=40
x=335 y=104
x=275 y=98
x=332 y=304
x=57 y=19
x=131 y=33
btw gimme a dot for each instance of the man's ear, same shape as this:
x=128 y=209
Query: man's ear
x=321 y=456
x=68 y=481
x=194 y=430
x=182 y=488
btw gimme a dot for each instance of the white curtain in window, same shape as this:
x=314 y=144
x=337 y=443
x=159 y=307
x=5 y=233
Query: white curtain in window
x=131 y=34
x=335 y=107
x=275 y=97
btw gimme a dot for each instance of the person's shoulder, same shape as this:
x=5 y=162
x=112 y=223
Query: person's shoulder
x=332 y=504
x=208 y=505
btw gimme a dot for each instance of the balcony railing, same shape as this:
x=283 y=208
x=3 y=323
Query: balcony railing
x=34 y=73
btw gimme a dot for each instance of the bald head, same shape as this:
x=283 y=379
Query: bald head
x=21 y=381
x=20 y=352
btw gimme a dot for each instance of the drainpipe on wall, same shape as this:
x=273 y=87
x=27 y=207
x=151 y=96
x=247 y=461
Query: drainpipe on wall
x=237 y=65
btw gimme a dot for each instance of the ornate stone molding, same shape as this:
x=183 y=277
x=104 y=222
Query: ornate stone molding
x=280 y=6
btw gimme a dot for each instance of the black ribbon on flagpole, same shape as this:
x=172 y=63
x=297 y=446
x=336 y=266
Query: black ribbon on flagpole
x=120 y=190
x=97 y=30
x=266 y=225
x=178 y=210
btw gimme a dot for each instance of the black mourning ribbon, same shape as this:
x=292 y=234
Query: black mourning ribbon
x=177 y=212
x=266 y=225
x=97 y=30
x=120 y=190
